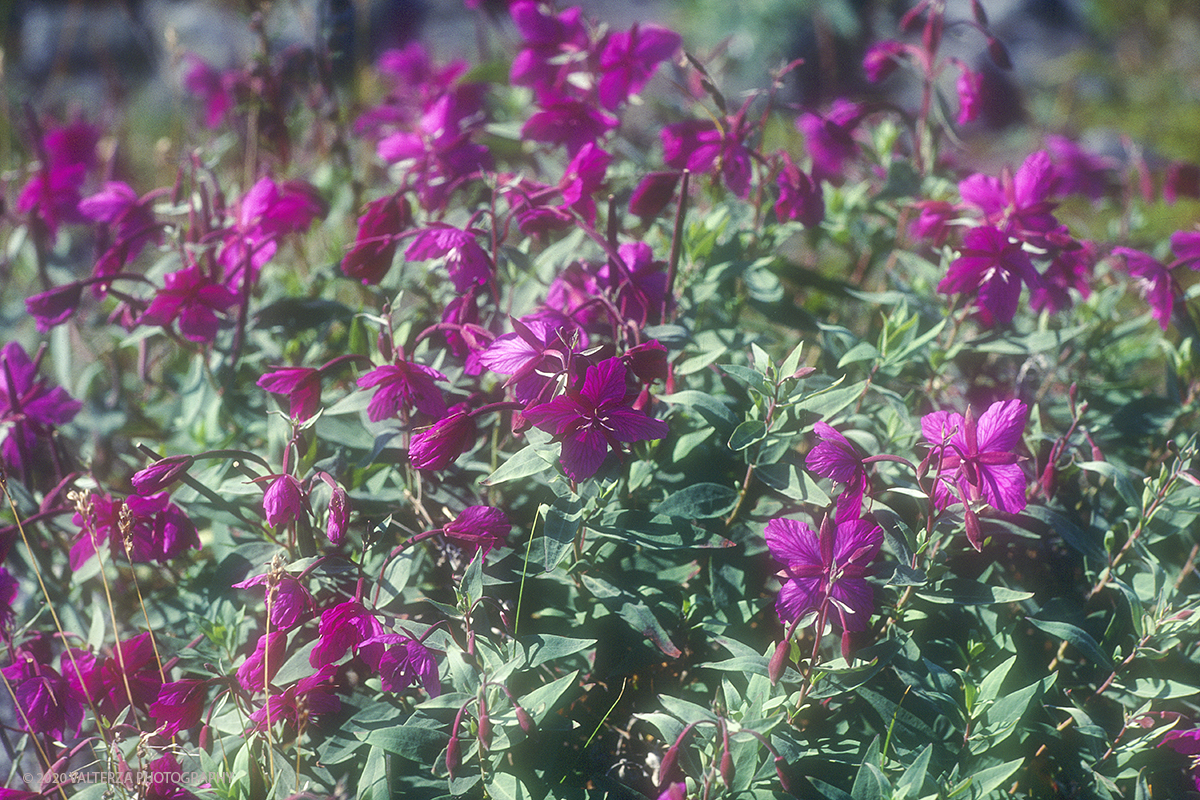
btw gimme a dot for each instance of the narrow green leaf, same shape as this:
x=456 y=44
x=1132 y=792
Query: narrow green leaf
x=410 y=741
x=986 y=781
x=971 y=593
x=747 y=433
x=699 y=501
x=526 y=462
x=1080 y=639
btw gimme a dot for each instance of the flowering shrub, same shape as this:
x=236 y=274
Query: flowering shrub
x=466 y=439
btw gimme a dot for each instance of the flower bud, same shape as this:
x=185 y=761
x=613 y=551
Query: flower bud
x=779 y=661
x=783 y=781
x=666 y=767
x=653 y=193
x=978 y=12
x=160 y=474
x=523 y=719
x=999 y=54
x=727 y=771
x=339 y=516
x=453 y=755
x=55 y=306
x=932 y=37
x=485 y=726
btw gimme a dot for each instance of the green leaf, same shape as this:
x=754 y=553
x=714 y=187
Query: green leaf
x=910 y=783
x=541 y=648
x=829 y=401
x=1080 y=639
x=506 y=786
x=699 y=501
x=472 y=580
x=1158 y=688
x=751 y=377
x=870 y=783
x=560 y=526
x=542 y=700
x=1125 y=487
x=710 y=407
x=863 y=351
x=1089 y=544
x=526 y=462
x=960 y=591
x=409 y=741
x=986 y=781
x=747 y=433
x=989 y=687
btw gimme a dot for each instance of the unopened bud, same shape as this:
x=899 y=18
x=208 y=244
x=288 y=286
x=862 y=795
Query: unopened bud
x=999 y=54
x=385 y=345
x=666 y=767
x=974 y=534
x=453 y=755
x=783 y=781
x=978 y=12
x=779 y=661
x=932 y=37
x=803 y=372
x=485 y=726
x=727 y=772
x=523 y=719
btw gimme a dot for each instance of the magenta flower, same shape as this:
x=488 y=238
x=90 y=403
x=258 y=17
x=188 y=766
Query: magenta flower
x=180 y=706
x=142 y=528
x=595 y=419
x=479 y=528
x=583 y=177
x=1078 y=171
x=1068 y=270
x=260 y=667
x=211 y=87
x=51 y=196
x=992 y=266
x=48 y=703
x=652 y=194
x=401 y=661
x=800 y=197
x=302 y=385
x=568 y=122
x=975 y=460
x=1153 y=279
x=114 y=683
x=969 y=86
x=29 y=410
x=702 y=147
x=829 y=138
x=283 y=501
x=374 y=248
x=553 y=45
x=161 y=474
x=54 y=306
x=1018 y=203
x=1186 y=246
x=289 y=602
x=536 y=355
x=344 y=627
x=163 y=780
x=403 y=385
x=825 y=574
x=297 y=705
x=1186 y=743
x=266 y=213
x=630 y=58
x=466 y=261
x=882 y=59
x=835 y=458
x=130 y=218
x=436 y=447
x=194 y=299
x=339 y=515
x=9 y=586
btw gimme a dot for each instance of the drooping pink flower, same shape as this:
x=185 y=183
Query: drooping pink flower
x=164 y=780
x=29 y=409
x=300 y=704
x=835 y=458
x=436 y=447
x=582 y=179
x=1078 y=171
x=128 y=677
x=882 y=59
x=537 y=355
x=829 y=138
x=1186 y=743
x=143 y=529
x=652 y=194
x=54 y=306
x=976 y=459
x=825 y=573
x=800 y=197
x=992 y=266
x=374 y=248
x=180 y=705
x=287 y=599
x=595 y=419
x=479 y=528
x=466 y=261
x=339 y=516
x=302 y=385
x=630 y=58
x=1070 y=270
x=283 y=501
x=702 y=147
x=129 y=217
x=1017 y=203
x=210 y=87
x=401 y=662
x=51 y=195
x=47 y=703
x=343 y=627
x=403 y=385
x=568 y=122
x=259 y=668
x=1186 y=247
x=554 y=45
x=969 y=87
x=192 y=298
x=1153 y=280
x=265 y=214
x=161 y=474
